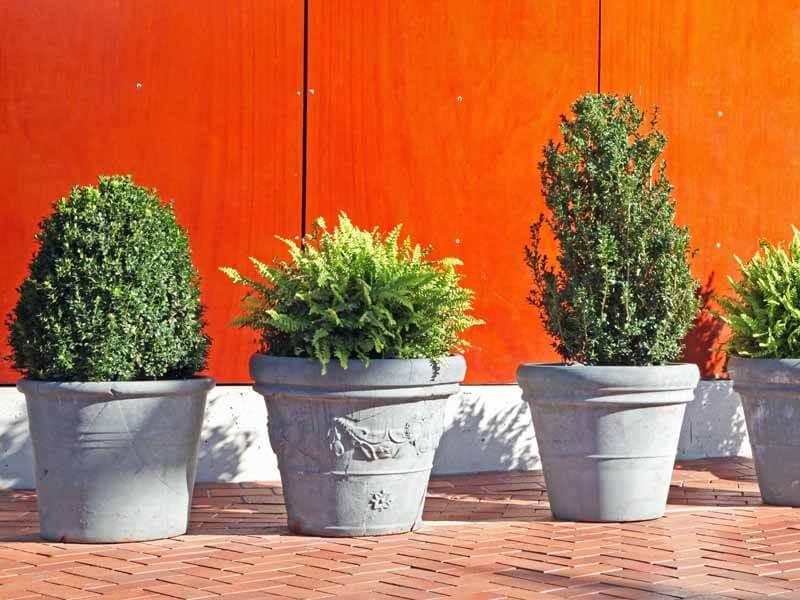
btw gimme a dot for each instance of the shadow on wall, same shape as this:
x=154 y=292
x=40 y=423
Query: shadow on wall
x=16 y=454
x=234 y=445
x=487 y=428
x=714 y=424
x=703 y=343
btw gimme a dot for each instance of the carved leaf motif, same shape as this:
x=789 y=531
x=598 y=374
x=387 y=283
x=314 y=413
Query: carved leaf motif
x=335 y=437
x=378 y=445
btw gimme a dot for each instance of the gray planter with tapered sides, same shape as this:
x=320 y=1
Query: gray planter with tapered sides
x=116 y=461
x=355 y=447
x=770 y=393
x=607 y=436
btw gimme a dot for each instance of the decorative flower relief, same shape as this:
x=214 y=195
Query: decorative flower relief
x=380 y=501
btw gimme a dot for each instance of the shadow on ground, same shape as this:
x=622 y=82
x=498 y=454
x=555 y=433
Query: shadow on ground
x=487 y=430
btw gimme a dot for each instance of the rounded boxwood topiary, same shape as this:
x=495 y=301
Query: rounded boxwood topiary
x=623 y=292
x=112 y=294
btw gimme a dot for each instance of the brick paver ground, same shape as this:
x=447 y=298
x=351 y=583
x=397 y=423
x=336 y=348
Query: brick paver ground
x=487 y=536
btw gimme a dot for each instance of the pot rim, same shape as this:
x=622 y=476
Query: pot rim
x=764 y=361
x=116 y=389
x=671 y=365
x=764 y=373
x=351 y=361
x=298 y=371
x=546 y=382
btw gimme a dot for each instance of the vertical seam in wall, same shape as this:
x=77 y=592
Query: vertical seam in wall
x=599 y=40
x=304 y=174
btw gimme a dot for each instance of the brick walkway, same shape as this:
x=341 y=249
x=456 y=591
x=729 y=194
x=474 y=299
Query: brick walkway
x=486 y=537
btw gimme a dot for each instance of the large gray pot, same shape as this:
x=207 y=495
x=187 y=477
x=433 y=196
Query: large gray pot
x=115 y=462
x=607 y=436
x=355 y=447
x=770 y=392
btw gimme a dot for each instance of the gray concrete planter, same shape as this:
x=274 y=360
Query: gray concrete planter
x=607 y=436
x=355 y=447
x=115 y=461
x=770 y=393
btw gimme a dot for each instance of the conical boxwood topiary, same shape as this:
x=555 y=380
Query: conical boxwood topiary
x=623 y=292
x=112 y=294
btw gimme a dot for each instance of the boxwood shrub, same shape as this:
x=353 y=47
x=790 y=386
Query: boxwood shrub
x=112 y=294
x=356 y=294
x=622 y=292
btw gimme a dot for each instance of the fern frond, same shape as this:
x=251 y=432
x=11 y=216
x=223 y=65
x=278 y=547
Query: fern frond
x=356 y=294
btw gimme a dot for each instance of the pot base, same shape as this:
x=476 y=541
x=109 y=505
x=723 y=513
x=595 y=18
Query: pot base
x=357 y=505
x=608 y=464
x=616 y=490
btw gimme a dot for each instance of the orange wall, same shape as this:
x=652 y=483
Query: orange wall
x=727 y=78
x=435 y=118
x=216 y=125
x=428 y=113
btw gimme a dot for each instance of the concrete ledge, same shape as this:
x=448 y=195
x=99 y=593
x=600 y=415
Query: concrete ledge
x=488 y=428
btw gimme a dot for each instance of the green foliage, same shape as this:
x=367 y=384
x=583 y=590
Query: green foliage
x=623 y=293
x=764 y=312
x=112 y=294
x=356 y=294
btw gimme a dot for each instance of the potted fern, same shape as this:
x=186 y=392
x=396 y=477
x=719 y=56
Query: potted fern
x=108 y=332
x=764 y=361
x=358 y=334
x=617 y=305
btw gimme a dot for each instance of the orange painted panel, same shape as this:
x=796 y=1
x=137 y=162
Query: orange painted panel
x=196 y=98
x=434 y=114
x=725 y=75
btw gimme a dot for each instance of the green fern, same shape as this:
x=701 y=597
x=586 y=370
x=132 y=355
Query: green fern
x=764 y=312
x=356 y=294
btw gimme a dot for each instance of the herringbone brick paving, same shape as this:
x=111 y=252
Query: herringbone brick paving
x=487 y=536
